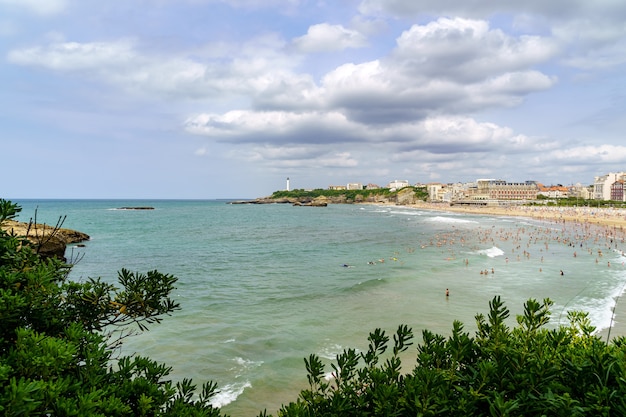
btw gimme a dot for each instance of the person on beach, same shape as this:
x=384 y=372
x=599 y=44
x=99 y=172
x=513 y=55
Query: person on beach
x=447 y=292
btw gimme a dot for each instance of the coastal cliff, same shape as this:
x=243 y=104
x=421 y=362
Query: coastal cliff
x=48 y=241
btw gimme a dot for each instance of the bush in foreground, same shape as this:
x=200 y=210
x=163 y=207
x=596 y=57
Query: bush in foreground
x=525 y=371
x=58 y=339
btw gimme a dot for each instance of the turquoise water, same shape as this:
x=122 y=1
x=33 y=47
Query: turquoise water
x=263 y=286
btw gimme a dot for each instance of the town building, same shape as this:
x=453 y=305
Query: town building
x=617 y=191
x=490 y=189
x=397 y=184
x=337 y=187
x=553 y=191
x=580 y=191
x=602 y=184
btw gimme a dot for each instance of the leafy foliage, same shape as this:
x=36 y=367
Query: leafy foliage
x=56 y=348
x=527 y=370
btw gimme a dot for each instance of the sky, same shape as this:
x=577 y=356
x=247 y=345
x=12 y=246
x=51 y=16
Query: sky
x=203 y=99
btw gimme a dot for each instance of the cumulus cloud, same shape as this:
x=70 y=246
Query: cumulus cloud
x=75 y=56
x=47 y=7
x=276 y=127
x=122 y=63
x=603 y=154
x=288 y=131
x=324 y=37
x=467 y=50
x=561 y=9
x=590 y=31
x=447 y=66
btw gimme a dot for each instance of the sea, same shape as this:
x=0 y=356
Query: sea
x=261 y=287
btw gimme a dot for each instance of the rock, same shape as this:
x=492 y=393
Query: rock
x=48 y=242
x=136 y=208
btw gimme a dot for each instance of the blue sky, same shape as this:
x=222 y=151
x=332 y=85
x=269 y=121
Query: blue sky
x=228 y=98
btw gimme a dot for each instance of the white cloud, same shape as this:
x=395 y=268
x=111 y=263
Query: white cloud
x=602 y=154
x=285 y=133
x=592 y=32
x=74 y=56
x=41 y=7
x=275 y=127
x=121 y=63
x=324 y=37
x=447 y=66
x=467 y=50
x=562 y=9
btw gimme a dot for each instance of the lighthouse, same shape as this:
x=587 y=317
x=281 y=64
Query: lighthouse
x=288 y=184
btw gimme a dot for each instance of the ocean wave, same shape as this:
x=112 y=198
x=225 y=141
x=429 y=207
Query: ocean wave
x=330 y=351
x=244 y=365
x=407 y=213
x=443 y=219
x=600 y=310
x=229 y=393
x=491 y=252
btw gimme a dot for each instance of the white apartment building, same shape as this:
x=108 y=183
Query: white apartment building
x=602 y=184
x=398 y=184
x=354 y=186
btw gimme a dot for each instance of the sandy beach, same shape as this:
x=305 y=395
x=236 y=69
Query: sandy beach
x=611 y=221
x=601 y=216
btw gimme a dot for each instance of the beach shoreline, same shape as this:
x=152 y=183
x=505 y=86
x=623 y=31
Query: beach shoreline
x=611 y=221
x=600 y=216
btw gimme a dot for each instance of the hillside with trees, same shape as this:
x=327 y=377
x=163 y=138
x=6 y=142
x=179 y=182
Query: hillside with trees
x=355 y=196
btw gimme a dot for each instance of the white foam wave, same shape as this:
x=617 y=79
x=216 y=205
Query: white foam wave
x=602 y=317
x=443 y=219
x=244 y=365
x=229 y=393
x=600 y=310
x=331 y=351
x=407 y=213
x=491 y=252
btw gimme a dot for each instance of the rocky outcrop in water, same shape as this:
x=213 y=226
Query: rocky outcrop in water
x=48 y=241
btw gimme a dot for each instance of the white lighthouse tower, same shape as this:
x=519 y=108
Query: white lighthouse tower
x=288 y=184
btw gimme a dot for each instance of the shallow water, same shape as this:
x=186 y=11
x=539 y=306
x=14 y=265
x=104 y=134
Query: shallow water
x=263 y=286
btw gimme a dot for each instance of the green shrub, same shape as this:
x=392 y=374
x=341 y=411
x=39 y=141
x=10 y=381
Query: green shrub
x=525 y=371
x=56 y=352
